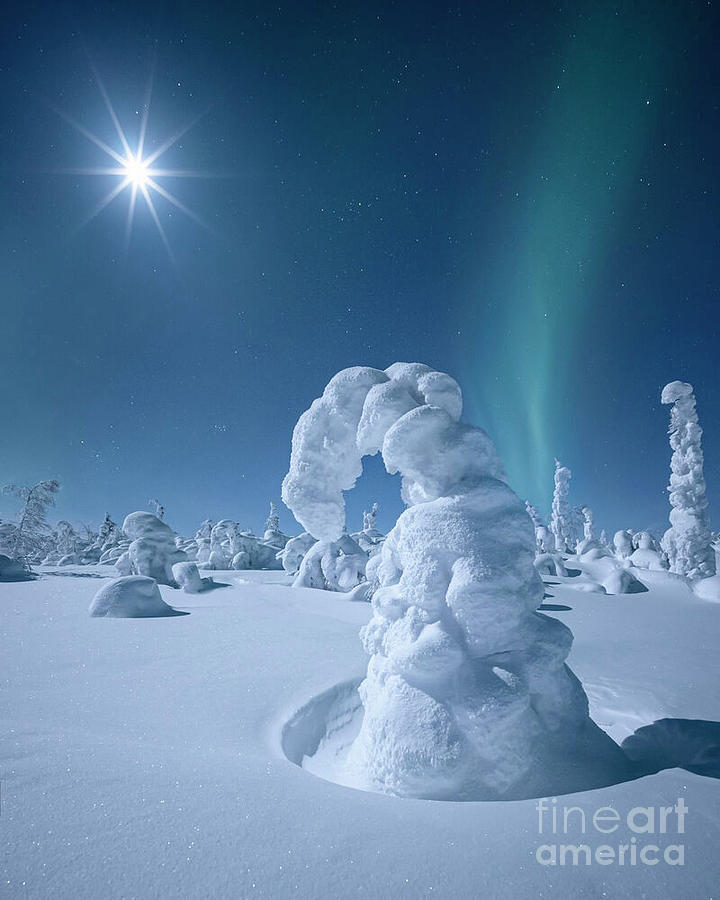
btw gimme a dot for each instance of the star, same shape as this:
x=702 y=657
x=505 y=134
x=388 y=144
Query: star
x=136 y=170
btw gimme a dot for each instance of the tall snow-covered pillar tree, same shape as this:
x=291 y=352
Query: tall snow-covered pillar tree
x=687 y=542
x=559 y=521
x=467 y=693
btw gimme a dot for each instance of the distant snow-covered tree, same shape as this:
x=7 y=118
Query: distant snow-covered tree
x=32 y=530
x=687 y=543
x=157 y=508
x=622 y=544
x=560 y=519
x=369 y=518
x=588 y=527
x=533 y=513
x=272 y=523
x=108 y=530
x=67 y=540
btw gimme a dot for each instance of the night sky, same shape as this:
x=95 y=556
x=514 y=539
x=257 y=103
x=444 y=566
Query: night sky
x=524 y=195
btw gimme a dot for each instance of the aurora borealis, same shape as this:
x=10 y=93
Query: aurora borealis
x=519 y=195
x=581 y=174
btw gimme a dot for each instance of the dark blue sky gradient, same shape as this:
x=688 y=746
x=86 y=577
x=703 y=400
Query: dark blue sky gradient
x=377 y=203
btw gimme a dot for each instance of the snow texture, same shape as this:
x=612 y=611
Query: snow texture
x=467 y=692
x=687 y=543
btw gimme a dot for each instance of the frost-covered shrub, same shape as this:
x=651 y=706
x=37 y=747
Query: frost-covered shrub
x=332 y=565
x=152 y=550
x=544 y=539
x=188 y=546
x=369 y=539
x=645 y=555
x=67 y=541
x=292 y=554
x=70 y=559
x=273 y=537
x=231 y=548
x=223 y=544
x=622 y=544
x=112 y=554
x=131 y=597
x=28 y=538
x=687 y=542
x=467 y=692
x=202 y=540
x=589 y=541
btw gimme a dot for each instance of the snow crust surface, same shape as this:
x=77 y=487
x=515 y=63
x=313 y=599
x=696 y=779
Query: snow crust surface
x=141 y=758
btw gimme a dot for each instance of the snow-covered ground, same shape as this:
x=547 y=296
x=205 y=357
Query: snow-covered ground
x=142 y=758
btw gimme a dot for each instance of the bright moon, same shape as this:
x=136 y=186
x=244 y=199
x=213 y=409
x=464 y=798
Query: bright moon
x=136 y=169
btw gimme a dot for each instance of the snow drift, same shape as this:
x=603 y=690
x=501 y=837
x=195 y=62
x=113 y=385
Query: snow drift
x=131 y=597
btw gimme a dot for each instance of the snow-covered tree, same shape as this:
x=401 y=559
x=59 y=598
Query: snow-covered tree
x=272 y=523
x=622 y=544
x=294 y=551
x=152 y=551
x=370 y=518
x=467 y=694
x=157 y=508
x=67 y=540
x=202 y=540
x=542 y=535
x=32 y=530
x=534 y=514
x=589 y=541
x=273 y=541
x=687 y=543
x=108 y=531
x=560 y=519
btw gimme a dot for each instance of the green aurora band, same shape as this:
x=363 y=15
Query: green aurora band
x=583 y=170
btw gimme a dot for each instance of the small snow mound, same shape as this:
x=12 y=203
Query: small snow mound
x=646 y=558
x=131 y=597
x=587 y=587
x=620 y=581
x=550 y=564
x=188 y=578
x=708 y=588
